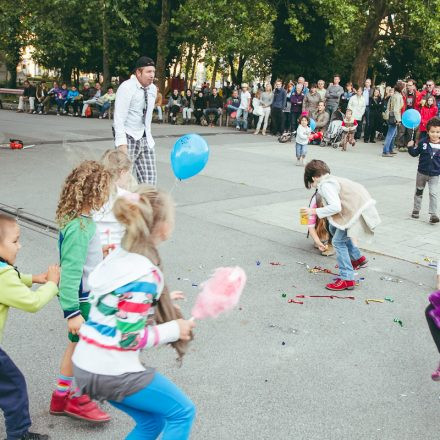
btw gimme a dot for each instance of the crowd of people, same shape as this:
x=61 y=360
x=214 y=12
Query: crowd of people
x=68 y=100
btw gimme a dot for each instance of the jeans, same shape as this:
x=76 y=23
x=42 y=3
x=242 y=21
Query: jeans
x=358 y=133
x=391 y=133
x=265 y=118
x=242 y=113
x=287 y=122
x=330 y=109
x=186 y=112
x=294 y=116
x=13 y=398
x=103 y=107
x=60 y=104
x=345 y=252
x=158 y=108
x=421 y=181
x=301 y=150
x=231 y=109
x=212 y=111
x=160 y=407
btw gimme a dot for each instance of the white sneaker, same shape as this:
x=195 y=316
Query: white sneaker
x=100 y=117
x=104 y=115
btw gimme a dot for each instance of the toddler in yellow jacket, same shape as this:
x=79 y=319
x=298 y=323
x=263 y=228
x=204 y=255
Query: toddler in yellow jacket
x=15 y=292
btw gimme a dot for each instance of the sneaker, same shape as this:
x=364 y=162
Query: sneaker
x=403 y=149
x=434 y=219
x=83 y=408
x=387 y=155
x=436 y=375
x=58 y=404
x=76 y=114
x=329 y=251
x=100 y=117
x=360 y=263
x=104 y=115
x=339 y=285
x=415 y=214
x=393 y=152
x=34 y=436
x=58 y=114
x=40 y=112
x=238 y=127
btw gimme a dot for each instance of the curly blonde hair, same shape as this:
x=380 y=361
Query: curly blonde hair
x=87 y=187
x=140 y=219
x=116 y=162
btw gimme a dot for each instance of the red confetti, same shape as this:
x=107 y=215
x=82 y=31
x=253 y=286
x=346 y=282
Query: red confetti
x=274 y=263
x=294 y=301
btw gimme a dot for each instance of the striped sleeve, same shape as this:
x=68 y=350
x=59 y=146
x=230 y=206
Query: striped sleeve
x=134 y=303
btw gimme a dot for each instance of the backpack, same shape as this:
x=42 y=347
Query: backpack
x=88 y=112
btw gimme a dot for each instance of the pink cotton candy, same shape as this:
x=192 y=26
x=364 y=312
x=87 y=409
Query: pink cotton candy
x=220 y=293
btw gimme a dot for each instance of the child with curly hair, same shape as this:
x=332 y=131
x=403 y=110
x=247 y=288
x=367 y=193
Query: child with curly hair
x=85 y=189
x=126 y=288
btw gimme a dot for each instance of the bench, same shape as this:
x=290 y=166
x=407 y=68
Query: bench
x=6 y=91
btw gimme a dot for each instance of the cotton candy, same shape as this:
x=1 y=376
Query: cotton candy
x=219 y=293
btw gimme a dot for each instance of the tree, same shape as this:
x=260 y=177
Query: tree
x=13 y=35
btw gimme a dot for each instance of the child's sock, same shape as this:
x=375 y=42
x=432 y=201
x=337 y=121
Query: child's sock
x=64 y=384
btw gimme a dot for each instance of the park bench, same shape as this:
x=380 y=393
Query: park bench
x=7 y=91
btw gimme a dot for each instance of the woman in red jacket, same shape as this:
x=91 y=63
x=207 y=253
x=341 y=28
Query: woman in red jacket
x=427 y=111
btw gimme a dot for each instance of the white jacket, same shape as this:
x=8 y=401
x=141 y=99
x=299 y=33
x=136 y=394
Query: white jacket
x=357 y=106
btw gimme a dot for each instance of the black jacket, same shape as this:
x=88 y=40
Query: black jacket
x=215 y=101
x=30 y=91
x=429 y=160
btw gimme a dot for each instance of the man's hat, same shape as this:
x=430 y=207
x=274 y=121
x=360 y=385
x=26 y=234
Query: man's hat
x=144 y=62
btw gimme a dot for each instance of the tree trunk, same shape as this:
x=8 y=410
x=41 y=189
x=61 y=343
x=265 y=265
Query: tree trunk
x=241 y=63
x=367 y=42
x=188 y=63
x=162 y=40
x=214 y=72
x=231 y=61
x=12 y=80
x=105 y=48
x=194 y=67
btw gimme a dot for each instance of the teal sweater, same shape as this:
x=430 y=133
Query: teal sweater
x=80 y=252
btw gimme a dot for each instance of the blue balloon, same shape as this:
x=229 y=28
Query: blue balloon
x=189 y=156
x=411 y=119
x=312 y=124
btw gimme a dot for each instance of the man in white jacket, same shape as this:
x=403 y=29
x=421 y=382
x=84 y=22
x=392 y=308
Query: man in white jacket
x=134 y=105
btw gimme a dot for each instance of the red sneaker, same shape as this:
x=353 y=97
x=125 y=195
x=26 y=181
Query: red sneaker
x=436 y=375
x=83 y=408
x=341 y=285
x=359 y=264
x=58 y=404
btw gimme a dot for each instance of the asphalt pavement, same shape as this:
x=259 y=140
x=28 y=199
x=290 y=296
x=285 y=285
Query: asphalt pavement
x=327 y=369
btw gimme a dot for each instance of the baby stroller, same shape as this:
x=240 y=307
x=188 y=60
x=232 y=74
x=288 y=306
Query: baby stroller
x=333 y=135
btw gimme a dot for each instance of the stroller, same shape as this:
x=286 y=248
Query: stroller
x=333 y=135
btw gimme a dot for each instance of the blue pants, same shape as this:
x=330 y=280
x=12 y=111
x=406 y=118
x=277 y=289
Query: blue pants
x=389 y=140
x=104 y=107
x=345 y=252
x=159 y=408
x=301 y=150
x=13 y=398
x=241 y=112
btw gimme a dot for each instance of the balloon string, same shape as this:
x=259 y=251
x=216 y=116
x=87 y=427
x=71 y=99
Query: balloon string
x=174 y=185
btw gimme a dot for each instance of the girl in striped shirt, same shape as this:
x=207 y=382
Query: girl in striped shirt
x=126 y=288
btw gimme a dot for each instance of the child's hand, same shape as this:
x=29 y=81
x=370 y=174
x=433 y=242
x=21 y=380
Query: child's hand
x=107 y=248
x=411 y=143
x=53 y=274
x=177 y=294
x=74 y=324
x=185 y=328
x=322 y=247
x=41 y=278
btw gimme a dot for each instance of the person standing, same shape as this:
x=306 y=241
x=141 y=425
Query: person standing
x=410 y=100
x=393 y=117
x=333 y=95
x=279 y=99
x=311 y=101
x=375 y=117
x=134 y=107
x=266 y=102
x=321 y=89
x=296 y=105
x=368 y=94
x=357 y=105
x=243 y=110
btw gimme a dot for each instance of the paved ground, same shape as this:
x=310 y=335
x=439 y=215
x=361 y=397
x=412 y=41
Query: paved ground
x=324 y=370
